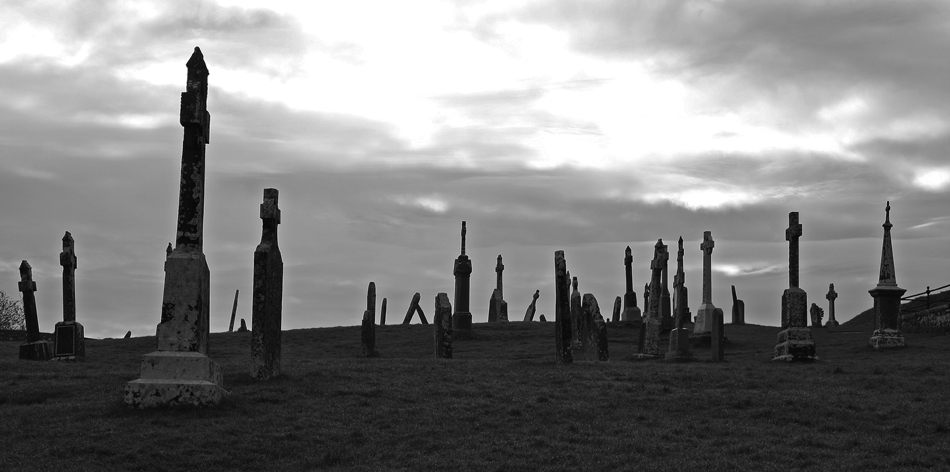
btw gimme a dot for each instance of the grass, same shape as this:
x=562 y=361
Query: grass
x=501 y=404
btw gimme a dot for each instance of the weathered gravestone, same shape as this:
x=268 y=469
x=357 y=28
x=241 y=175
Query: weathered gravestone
x=887 y=297
x=598 y=328
x=382 y=313
x=646 y=296
x=816 y=315
x=831 y=296
x=368 y=327
x=702 y=331
x=585 y=348
x=615 y=318
x=442 y=326
x=679 y=340
x=462 y=318
x=69 y=342
x=243 y=328
x=680 y=292
x=179 y=372
x=630 y=310
x=666 y=304
x=268 y=292
x=562 y=311
x=532 y=308
x=738 y=309
x=576 y=307
x=34 y=349
x=542 y=319
x=649 y=347
x=795 y=342
x=497 y=306
x=415 y=308
x=128 y=334
x=718 y=341
x=233 y=311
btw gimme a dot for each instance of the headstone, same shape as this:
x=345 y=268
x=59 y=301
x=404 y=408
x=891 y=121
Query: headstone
x=69 y=342
x=586 y=336
x=887 y=297
x=646 y=296
x=650 y=330
x=616 y=313
x=442 y=324
x=243 y=328
x=795 y=342
x=233 y=311
x=532 y=308
x=831 y=296
x=576 y=307
x=666 y=304
x=179 y=372
x=462 y=318
x=562 y=311
x=267 y=297
x=368 y=326
x=816 y=315
x=415 y=308
x=680 y=293
x=128 y=334
x=679 y=336
x=498 y=303
x=738 y=309
x=382 y=313
x=630 y=310
x=702 y=330
x=541 y=318
x=718 y=340
x=34 y=349
x=599 y=329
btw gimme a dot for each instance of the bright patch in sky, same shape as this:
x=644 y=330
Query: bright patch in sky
x=934 y=179
x=706 y=199
x=432 y=203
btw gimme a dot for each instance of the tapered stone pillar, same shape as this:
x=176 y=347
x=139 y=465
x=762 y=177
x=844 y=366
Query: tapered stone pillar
x=649 y=345
x=442 y=326
x=702 y=330
x=268 y=293
x=887 y=297
x=34 y=349
x=666 y=302
x=562 y=311
x=795 y=342
x=462 y=318
x=69 y=342
x=630 y=310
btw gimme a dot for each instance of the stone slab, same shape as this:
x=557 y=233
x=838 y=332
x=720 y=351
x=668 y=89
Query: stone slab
x=887 y=339
x=36 y=351
x=795 y=344
x=183 y=366
x=150 y=393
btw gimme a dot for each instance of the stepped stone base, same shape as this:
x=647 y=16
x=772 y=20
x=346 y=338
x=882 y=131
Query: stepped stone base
x=36 y=351
x=795 y=344
x=173 y=378
x=887 y=339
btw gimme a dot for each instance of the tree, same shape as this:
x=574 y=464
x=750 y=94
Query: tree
x=11 y=313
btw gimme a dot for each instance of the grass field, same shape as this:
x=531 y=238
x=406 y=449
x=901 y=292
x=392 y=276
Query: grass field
x=501 y=404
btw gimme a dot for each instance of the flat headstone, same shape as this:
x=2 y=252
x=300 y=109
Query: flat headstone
x=816 y=315
x=368 y=335
x=586 y=336
x=382 y=313
x=600 y=334
x=442 y=326
x=541 y=318
x=415 y=308
x=243 y=328
x=717 y=347
x=615 y=318
x=128 y=334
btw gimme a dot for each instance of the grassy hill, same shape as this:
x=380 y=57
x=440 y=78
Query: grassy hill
x=501 y=404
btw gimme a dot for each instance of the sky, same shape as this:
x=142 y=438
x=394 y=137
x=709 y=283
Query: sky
x=546 y=125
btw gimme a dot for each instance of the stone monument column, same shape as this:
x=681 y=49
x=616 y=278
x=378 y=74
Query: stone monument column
x=462 y=318
x=704 y=316
x=267 y=297
x=562 y=310
x=831 y=296
x=680 y=293
x=69 y=342
x=179 y=371
x=795 y=342
x=630 y=310
x=887 y=296
x=679 y=336
x=666 y=304
x=497 y=306
x=649 y=344
x=34 y=349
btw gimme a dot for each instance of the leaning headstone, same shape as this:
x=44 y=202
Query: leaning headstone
x=562 y=311
x=666 y=304
x=34 y=349
x=816 y=315
x=650 y=330
x=630 y=310
x=533 y=307
x=415 y=308
x=266 y=299
x=702 y=331
x=442 y=326
x=462 y=318
x=680 y=292
x=831 y=296
x=887 y=297
x=586 y=336
x=69 y=342
x=243 y=328
x=128 y=334
x=738 y=309
x=382 y=313
x=233 y=311
x=616 y=313
x=717 y=343
x=599 y=330
x=368 y=326
x=179 y=372
x=795 y=342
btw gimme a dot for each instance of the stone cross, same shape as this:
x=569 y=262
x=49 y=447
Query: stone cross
x=666 y=312
x=628 y=268
x=462 y=270
x=68 y=260
x=499 y=267
x=831 y=296
x=707 y=247
x=27 y=286
x=266 y=304
x=562 y=310
x=196 y=120
x=792 y=234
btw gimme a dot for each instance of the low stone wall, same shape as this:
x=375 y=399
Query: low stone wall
x=934 y=320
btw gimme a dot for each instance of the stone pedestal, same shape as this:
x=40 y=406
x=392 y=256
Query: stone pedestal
x=702 y=329
x=36 y=351
x=171 y=378
x=462 y=318
x=887 y=304
x=718 y=340
x=185 y=303
x=795 y=342
x=68 y=341
x=679 y=346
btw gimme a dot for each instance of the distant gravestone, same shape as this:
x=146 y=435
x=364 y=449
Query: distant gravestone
x=887 y=297
x=816 y=315
x=368 y=327
x=795 y=342
x=267 y=296
x=576 y=307
x=702 y=330
x=233 y=311
x=615 y=318
x=541 y=318
x=680 y=292
x=442 y=326
x=462 y=318
x=650 y=330
x=382 y=313
x=128 y=334
x=415 y=308
x=599 y=331
x=717 y=343
x=738 y=309
x=630 y=310
x=831 y=296
x=586 y=336
x=679 y=336
x=498 y=307
x=243 y=328
x=34 y=349
x=562 y=311
x=646 y=296
x=532 y=308
x=666 y=304
x=69 y=342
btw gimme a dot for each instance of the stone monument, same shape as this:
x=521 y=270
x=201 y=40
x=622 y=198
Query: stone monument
x=598 y=336
x=267 y=296
x=831 y=296
x=243 y=327
x=34 y=349
x=630 y=310
x=532 y=308
x=738 y=309
x=702 y=331
x=233 y=311
x=382 y=313
x=368 y=326
x=718 y=338
x=585 y=348
x=497 y=306
x=795 y=342
x=462 y=318
x=680 y=292
x=442 y=324
x=179 y=372
x=415 y=308
x=576 y=308
x=618 y=303
x=666 y=304
x=562 y=311
x=816 y=315
x=887 y=296
x=69 y=342
x=649 y=347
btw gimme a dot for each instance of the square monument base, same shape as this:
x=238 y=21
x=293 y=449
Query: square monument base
x=462 y=326
x=795 y=344
x=69 y=342
x=887 y=339
x=36 y=351
x=173 y=378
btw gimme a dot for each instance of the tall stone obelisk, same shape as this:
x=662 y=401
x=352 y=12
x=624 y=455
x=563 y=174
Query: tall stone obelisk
x=69 y=342
x=887 y=296
x=462 y=318
x=267 y=296
x=179 y=372
x=794 y=342
x=630 y=310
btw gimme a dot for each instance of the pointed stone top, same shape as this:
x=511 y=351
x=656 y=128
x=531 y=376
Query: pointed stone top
x=659 y=243
x=627 y=252
x=887 y=216
x=463 y=237
x=26 y=271
x=197 y=61
x=888 y=275
x=68 y=238
x=168 y=250
x=681 y=241
x=574 y=283
x=499 y=264
x=270 y=209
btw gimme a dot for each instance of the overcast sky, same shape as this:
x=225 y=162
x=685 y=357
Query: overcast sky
x=582 y=126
